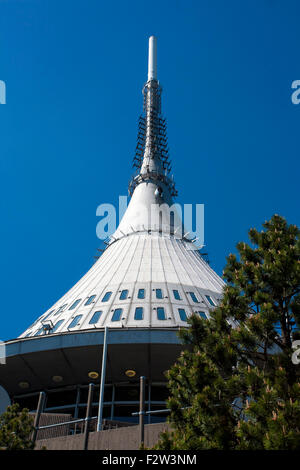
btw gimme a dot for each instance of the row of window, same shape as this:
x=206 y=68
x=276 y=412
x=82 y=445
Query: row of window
x=124 y=295
x=138 y=315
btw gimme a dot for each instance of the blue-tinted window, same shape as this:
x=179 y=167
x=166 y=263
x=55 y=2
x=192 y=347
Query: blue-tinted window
x=60 y=309
x=182 y=314
x=75 y=321
x=90 y=300
x=39 y=331
x=202 y=315
x=138 y=315
x=57 y=325
x=141 y=294
x=161 y=313
x=159 y=294
x=75 y=304
x=124 y=294
x=36 y=321
x=176 y=295
x=193 y=297
x=95 y=317
x=210 y=300
x=106 y=297
x=117 y=314
x=48 y=315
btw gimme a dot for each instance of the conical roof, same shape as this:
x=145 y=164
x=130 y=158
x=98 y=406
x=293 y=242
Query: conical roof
x=149 y=275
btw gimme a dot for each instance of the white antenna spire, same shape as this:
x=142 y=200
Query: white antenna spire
x=152 y=59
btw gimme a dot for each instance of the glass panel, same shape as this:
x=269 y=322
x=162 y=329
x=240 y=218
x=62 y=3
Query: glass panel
x=202 y=315
x=124 y=294
x=117 y=314
x=138 y=313
x=193 y=297
x=75 y=304
x=182 y=314
x=95 y=317
x=39 y=331
x=60 y=309
x=37 y=320
x=159 y=294
x=159 y=393
x=29 y=402
x=124 y=413
x=90 y=300
x=176 y=295
x=61 y=398
x=141 y=294
x=106 y=297
x=75 y=321
x=56 y=326
x=210 y=300
x=161 y=313
x=84 y=394
x=127 y=393
x=48 y=315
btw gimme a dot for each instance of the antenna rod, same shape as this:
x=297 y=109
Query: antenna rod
x=152 y=59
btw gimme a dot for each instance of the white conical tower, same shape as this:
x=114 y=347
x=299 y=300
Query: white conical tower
x=149 y=275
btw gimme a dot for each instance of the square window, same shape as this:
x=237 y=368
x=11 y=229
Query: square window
x=210 y=300
x=106 y=297
x=141 y=294
x=202 y=315
x=40 y=331
x=161 y=313
x=138 y=315
x=56 y=326
x=159 y=294
x=117 y=314
x=182 y=314
x=193 y=297
x=124 y=294
x=95 y=317
x=90 y=300
x=48 y=315
x=75 y=321
x=75 y=304
x=176 y=295
x=60 y=309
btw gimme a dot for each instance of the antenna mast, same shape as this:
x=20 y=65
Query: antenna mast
x=151 y=156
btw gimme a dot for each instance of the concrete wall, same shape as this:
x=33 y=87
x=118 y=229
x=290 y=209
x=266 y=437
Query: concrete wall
x=112 y=439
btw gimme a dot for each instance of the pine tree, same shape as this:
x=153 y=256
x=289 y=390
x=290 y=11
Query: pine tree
x=235 y=385
x=16 y=428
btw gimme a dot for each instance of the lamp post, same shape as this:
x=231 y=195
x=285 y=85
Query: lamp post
x=142 y=410
x=102 y=383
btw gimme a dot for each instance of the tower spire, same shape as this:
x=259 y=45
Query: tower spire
x=151 y=156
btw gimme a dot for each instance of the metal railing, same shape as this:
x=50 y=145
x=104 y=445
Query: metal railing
x=72 y=426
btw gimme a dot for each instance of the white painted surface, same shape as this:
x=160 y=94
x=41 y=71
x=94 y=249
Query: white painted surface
x=152 y=59
x=140 y=261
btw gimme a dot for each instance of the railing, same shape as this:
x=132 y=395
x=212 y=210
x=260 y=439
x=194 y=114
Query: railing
x=89 y=423
x=76 y=426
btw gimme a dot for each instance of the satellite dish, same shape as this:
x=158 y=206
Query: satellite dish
x=4 y=400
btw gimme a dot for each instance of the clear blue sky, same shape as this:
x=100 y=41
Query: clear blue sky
x=74 y=71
